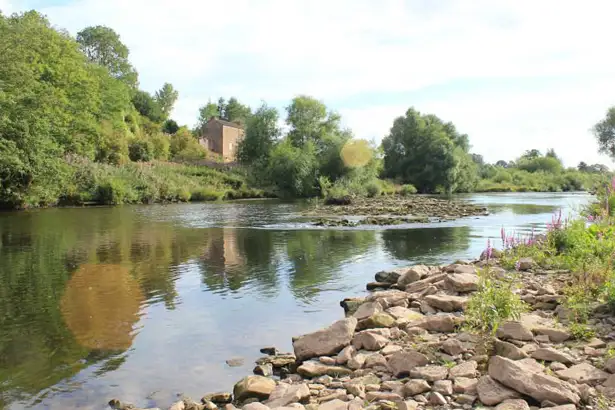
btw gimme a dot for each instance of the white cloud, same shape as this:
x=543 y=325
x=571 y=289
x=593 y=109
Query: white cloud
x=344 y=50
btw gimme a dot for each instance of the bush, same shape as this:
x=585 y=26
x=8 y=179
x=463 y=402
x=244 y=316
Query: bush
x=493 y=303
x=206 y=194
x=407 y=189
x=373 y=189
x=141 y=150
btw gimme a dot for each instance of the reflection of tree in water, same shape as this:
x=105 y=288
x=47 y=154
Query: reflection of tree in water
x=40 y=252
x=317 y=255
x=428 y=243
x=235 y=257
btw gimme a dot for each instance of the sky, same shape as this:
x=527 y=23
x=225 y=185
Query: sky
x=513 y=75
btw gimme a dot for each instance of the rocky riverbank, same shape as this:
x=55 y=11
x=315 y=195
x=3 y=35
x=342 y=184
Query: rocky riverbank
x=406 y=347
x=393 y=210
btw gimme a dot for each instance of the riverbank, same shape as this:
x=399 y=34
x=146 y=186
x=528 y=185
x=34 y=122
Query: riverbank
x=455 y=336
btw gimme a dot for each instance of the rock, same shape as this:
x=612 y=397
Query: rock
x=325 y=342
x=514 y=330
x=285 y=394
x=390 y=349
x=536 y=385
x=609 y=366
x=531 y=365
x=229 y=407
x=258 y=387
x=367 y=309
x=437 y=399
x=382 y=395
x=375 y=360
x=525 y=264
x=444 y=387
x=453 y=347
x=255 y=406
x=351 y=305
x=345 y=355
x=337 y=394
x=412 y=275
x=263 y=369
x=556 y=366
x=550 y=354
x=444 y=323
x=399 y=312
x=377 y=285
x=401 y=363
x=465 y=369
x=221 y=397
x=235 y=362
x=583 y=373
x=462 y=282
x=356 y=404
x=467 y=400
x=357 y=361
x=416 y=386
x=207 y=405
x=336 y=404
x=447 y=303
x=269 y=350
x=429 y=373
x=355 y=389
x=564 y=407
x=377 y=320
x=555 y=335
x=407 y=405
x=490 y=392
x=314 y=369
x=329 y=361
x=391 y=276
x=423 y=284
x=508 y=350
x=513 y=404
x=465 y=385
x=180 y=405
x=369 y=340
x=278 y=361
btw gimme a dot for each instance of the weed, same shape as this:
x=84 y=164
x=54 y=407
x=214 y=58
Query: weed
x=581 y=331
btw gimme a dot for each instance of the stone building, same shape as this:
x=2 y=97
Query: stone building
x=222 y=138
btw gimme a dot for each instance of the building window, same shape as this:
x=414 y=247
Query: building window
x=230 y=146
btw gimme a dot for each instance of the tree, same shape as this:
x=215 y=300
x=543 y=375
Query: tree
x=309 y=120
x=170 y=127
x=531 y=154
x=582 y=166
x=262 y=131
x=236 y=112
x=501 y=163
x=102 y=45
x=478 y=159
x=207 y=112
x=551 y=154
x=147 y=106
x=604 y=131
x=221 y=107
x=166 y=98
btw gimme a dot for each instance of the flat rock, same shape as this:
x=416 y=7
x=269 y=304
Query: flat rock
x=444 y=387
x=429 y=373
x=255 y=406
x=508 y=350
x=336 y=404
x=412 y=274
x=285 y=394
x=345 y=355
x=382 y=395
x=390 y=276
x=465 y=369
x=531 y=365
x=609 y=366
x=219 y=397
x=525 y=264
x=583 y=373
x=325 y=342
x=447 y=303
x=444 y=323
x=550 y=354
x=437 y=399
x=491 y=392
x=257 y=387
x=375 y=360
x=513 y=404
x=423 y=284
x=377 y=320
x=514 y=330
x=564 y=407
x=367 y=309
x=369 y=340
x=416 y=386
x=539 y=386
x=462 y=282
x=454 y=347
x=401 y=363
x=315 y=369
x=555 y=335
x=399 y=312
x=465 y=385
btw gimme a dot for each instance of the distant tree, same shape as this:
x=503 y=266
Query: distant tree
x=147 y=106
x=598 y=168
x=582 y=167
x=262 y=132
x=501 y=163
x=102 y=45
x=551 y=154
x=531 y=154
x=207 y=112
x=604 y=132
x=221 y=107
x=310 y=121
x=166 y=98
x=478 y=159
x=170 y=127
x=236 y=112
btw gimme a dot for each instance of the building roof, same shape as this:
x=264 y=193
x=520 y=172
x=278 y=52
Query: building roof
x=226 y=123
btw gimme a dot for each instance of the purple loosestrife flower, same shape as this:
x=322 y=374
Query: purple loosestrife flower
x=591 y=218
x=489 y=249
x=503 y=236
x=518 y=265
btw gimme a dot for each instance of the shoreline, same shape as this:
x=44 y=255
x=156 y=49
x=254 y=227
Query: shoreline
x=407 y=348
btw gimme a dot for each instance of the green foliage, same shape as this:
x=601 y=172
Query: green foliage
x=261 y=133
x=141 y=150
x=147 y=106
x=581 y=331
x=293 y=169
x=206 y=112
x=236 y=112
x=605 y=133
x=184 y=147
x=373 y=189
x=407 y=190
x=170 y=127
x=309 y=121
x=166 y=98
x=493 y=303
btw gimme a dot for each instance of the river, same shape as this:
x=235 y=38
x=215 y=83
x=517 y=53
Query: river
x=144 y=303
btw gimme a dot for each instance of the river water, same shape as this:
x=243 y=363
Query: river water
x=144 y=303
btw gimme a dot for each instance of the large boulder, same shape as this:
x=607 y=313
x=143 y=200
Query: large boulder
x=490 y=392
x=550 y=354
x=447 y=303
x=462 y=282
x=444 y=323
x=583 y=373
x=367 y=309
x=390 y=276
x=539 y=386
x=513 y=404
x=555 y=335
x=399 y=312
x=285 y=394
x=377 y=320
x=429 y=373
x=369 y=340
x=412 y=275
x=253 y=387
x=514 y=330
x=508 y=350
x=423 y=284
x=313 y=368
x=401 y=363
x=326 y=342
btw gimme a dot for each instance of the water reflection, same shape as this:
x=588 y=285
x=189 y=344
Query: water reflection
x=426 y=243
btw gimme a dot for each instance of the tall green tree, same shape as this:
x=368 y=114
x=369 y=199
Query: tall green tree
x=236 y=112
x=102 y=45
x=206 y=112
x=148 y=106
x=604 y=131
x=310 y=121
x=166 y=98
x=262 y=132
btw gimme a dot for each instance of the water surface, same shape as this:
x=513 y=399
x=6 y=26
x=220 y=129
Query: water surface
x=147 y=302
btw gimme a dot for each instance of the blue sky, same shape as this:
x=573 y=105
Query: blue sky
x=513 y=75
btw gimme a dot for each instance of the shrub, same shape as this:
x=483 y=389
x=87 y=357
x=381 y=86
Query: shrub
x=581 y=331
x=141 y=150
x=408 y=189
x=373 y=189
x=206 y=194
x=493 y=303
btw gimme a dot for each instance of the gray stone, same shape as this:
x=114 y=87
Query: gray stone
x=556 y=366
x=539 y=386
x=550 y=354
x=514 y=330
x=555 y=335
x=423 y=284
x=401 y=363
x=357 y=362
x=399 y=312
x=407 y=405
x=429 y=373
x=465 y=369
x=325 y=342
x=263 y=369
x=444 y=323
x=285 y=394
x=508 y=350
x=416 y=386
x=583 y=373
x=453 y=347
x=462 y=282
x=467 y=400
x=329 y=361
x=235 y=362
x=255 y=406
x=564 y=407
x=369 y=340
x=391 y=276
x=314 y=369
x=444 y=387
x=465 y=385
x=513 y=404
x=257 y=387
x=447 y=303
x=525 y=264
x=382 y=395
x=412 y=274
x=367 y=309
x=220 y=397
x=336 y=404
x=345 y=355
x=375 y=360
x=490 y=392
x=609 y=366
x=437 y=399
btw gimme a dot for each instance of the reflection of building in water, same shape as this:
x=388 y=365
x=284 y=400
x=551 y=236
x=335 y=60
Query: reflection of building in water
x=223 y=251
x=101 y=305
